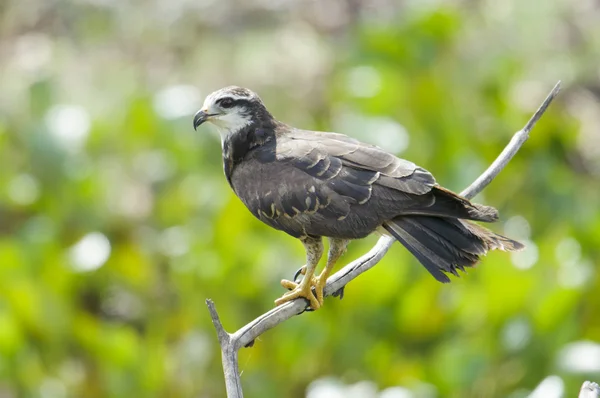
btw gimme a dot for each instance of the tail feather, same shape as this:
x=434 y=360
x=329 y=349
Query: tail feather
x=448 y=204
x=446 y=199
x=445 y=245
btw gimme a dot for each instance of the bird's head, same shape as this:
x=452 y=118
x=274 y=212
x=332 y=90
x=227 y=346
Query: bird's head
x=231 y=109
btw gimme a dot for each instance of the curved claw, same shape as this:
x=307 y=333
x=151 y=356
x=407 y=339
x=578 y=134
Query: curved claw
x=313 y=292
x=339 y=293
x=303 y=289
x=300 y=271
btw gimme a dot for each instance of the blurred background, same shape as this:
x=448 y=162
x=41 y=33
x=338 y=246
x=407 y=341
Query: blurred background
x=116 y=221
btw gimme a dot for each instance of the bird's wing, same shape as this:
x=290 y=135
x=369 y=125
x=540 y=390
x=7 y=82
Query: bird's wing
x=310 y=181
x=327 y=173
x=326 y=155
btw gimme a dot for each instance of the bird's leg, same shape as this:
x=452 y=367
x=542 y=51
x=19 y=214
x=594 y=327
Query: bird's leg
x=314 y=252
x=337 y=247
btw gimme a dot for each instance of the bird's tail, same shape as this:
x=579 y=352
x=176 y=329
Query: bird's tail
x=448 y=204
x=444 y=244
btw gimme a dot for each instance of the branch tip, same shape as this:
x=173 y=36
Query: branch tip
x=510 y=150
x=538 y=114
x=214 y=315
x=589 y=389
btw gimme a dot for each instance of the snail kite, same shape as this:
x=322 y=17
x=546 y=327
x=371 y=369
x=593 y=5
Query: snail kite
x=313 y=184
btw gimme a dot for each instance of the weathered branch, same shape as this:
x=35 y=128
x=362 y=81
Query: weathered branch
x=229 y=354
x=231 y=343
x=510 y=150
x=589 y=390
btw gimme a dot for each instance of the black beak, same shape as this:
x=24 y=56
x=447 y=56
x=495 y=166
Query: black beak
x=200 y=118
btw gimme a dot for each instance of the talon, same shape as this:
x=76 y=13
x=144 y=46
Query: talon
x=339 y=293
x=304 y=290
x=301 y=271
x=311 y=290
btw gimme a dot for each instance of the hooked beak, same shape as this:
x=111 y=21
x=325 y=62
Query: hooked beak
x=201 y=117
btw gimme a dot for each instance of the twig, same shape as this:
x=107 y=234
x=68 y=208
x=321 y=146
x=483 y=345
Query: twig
x=510 y=150
x=589 y=390
x=231 y=343
x=229 y=354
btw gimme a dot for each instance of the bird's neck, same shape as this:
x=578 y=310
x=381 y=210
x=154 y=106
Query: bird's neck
x=237 y=145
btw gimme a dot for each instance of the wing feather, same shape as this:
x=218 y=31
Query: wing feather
x=315 y=180
x=329 y=153
x=327 y=184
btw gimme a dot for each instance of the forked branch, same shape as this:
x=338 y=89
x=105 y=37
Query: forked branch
x=245 y=336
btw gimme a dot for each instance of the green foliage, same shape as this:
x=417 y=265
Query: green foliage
x=116 y=222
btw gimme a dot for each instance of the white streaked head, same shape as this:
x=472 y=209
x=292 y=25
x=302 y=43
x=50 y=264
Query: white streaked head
x=230 y=109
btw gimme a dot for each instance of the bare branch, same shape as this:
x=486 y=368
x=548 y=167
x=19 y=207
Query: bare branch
x=221 y=333
x=231 y=343
x=510 y=150
x=589 y=389
x=229 y=355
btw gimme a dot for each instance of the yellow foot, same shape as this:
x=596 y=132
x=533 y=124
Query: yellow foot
x=319 y=284
x=289 y=285
x=302 y=289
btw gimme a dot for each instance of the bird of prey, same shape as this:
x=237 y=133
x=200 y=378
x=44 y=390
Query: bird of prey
x=313 y=184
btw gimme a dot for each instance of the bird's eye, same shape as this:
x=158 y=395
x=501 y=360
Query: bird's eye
x=226 y=103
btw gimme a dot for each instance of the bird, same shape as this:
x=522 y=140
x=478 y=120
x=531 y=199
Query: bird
x=314 y=185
